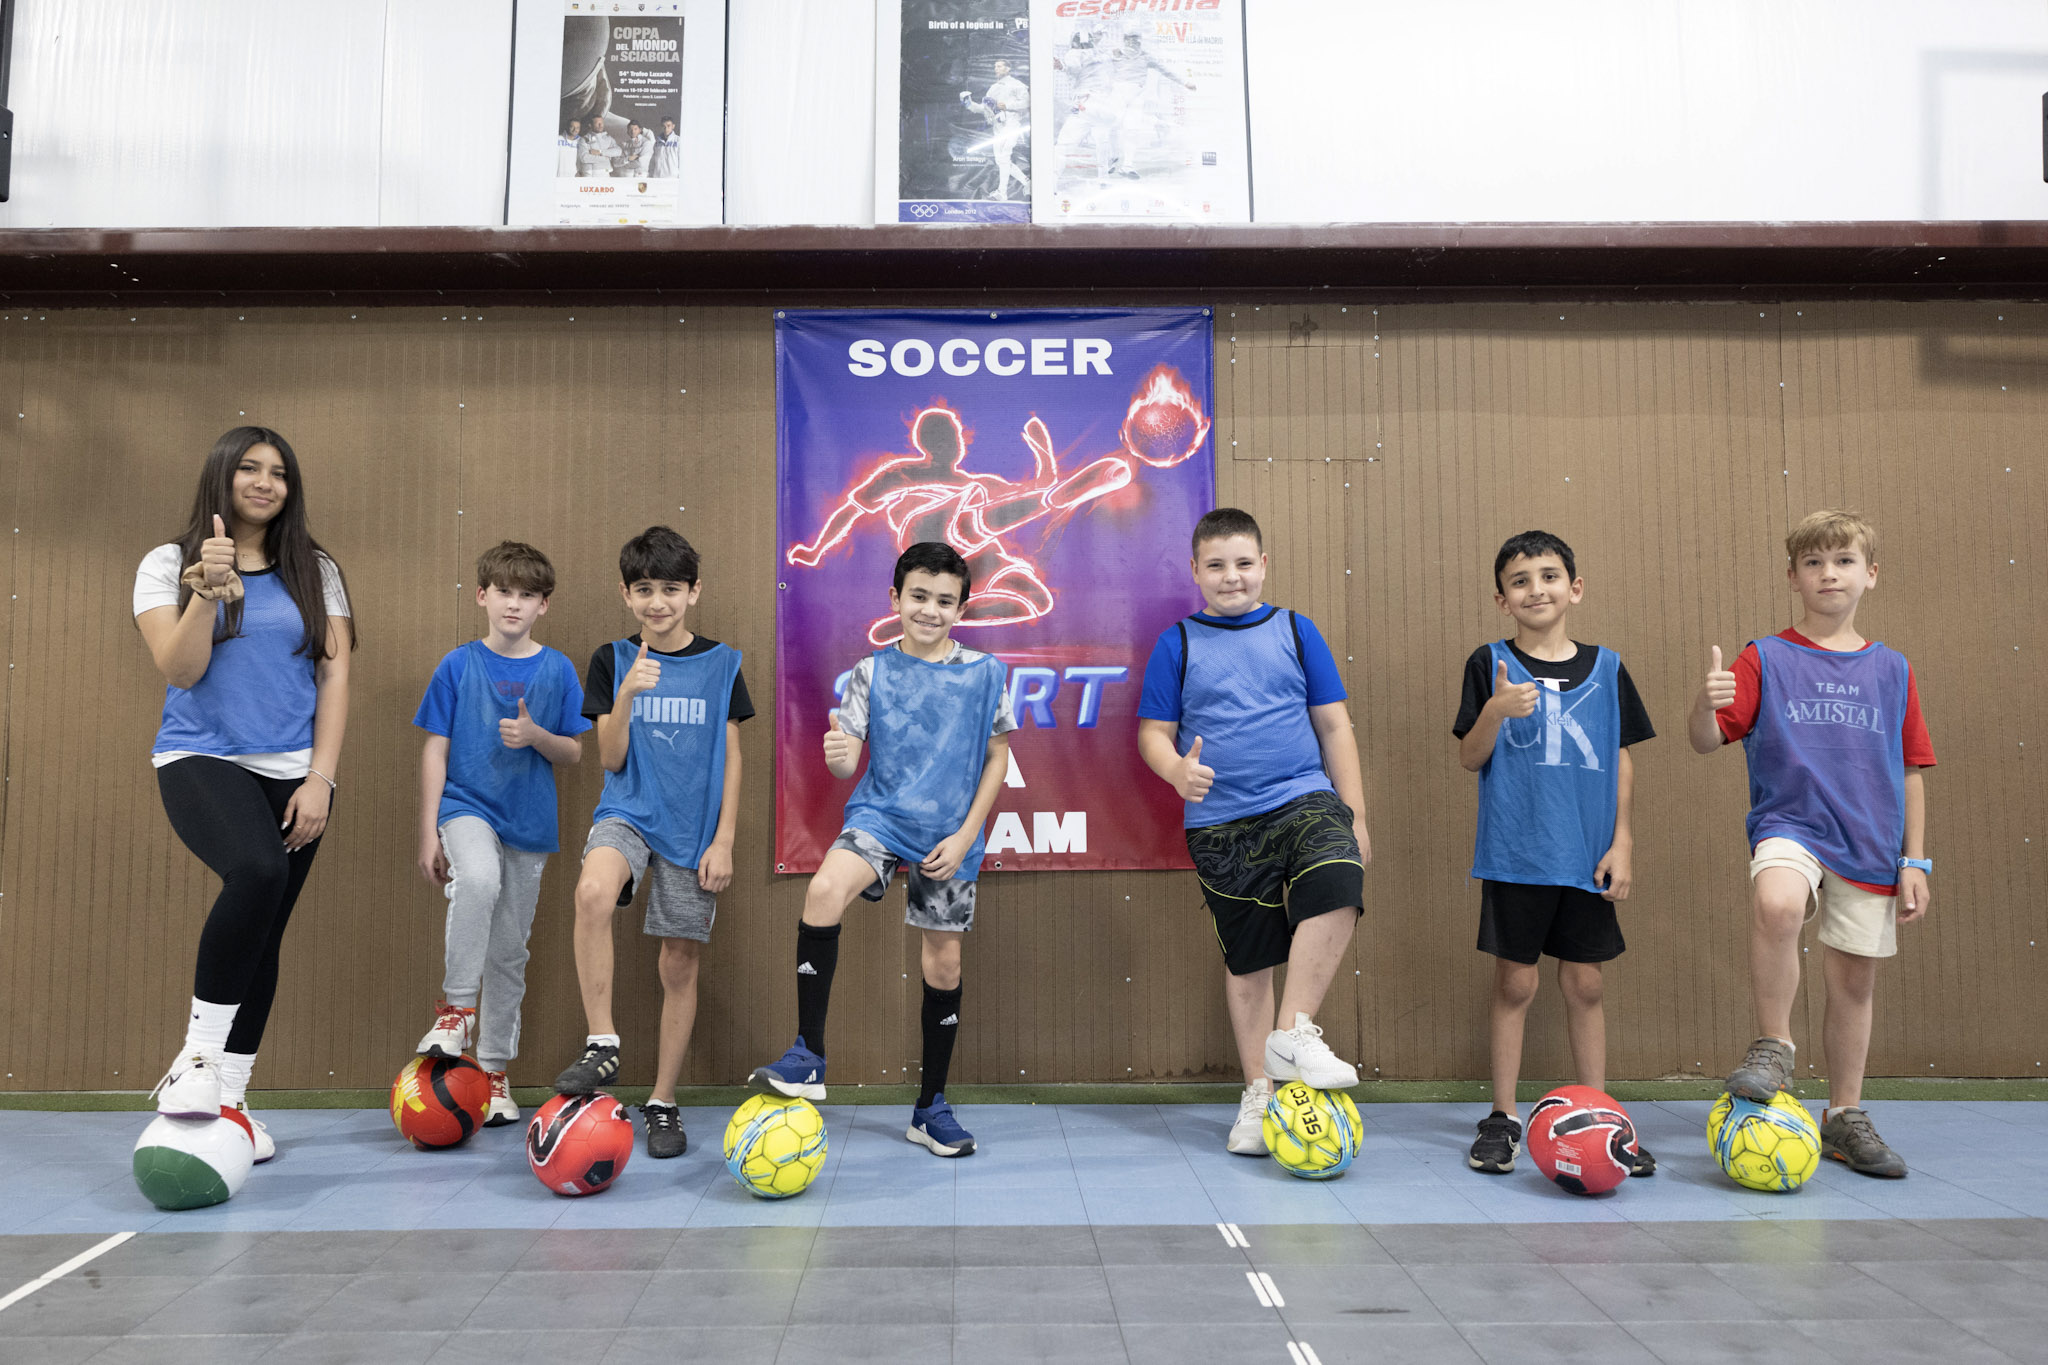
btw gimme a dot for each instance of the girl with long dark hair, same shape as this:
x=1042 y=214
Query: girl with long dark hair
x=248 y=620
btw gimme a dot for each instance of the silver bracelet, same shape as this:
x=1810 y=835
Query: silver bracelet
x=331 y=786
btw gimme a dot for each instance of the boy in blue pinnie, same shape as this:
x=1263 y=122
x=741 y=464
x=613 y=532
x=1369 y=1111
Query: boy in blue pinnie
x=668 y=705
x=1547 y=723
x=935 y=718
x=501 y=714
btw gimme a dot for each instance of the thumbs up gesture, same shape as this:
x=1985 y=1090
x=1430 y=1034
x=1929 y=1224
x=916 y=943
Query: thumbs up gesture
x=1719 y=688
x=1512 y=700
x=644 y=674
x=841 y=749
x=217 y=555
x=1192 y=778
x=521 y=731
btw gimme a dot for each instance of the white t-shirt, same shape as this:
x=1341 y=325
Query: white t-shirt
x=156 y=585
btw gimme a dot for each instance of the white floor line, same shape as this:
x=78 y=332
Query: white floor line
x=1301 y=1353
x=91 y=1253
x=1272 y=1290
x=1238 y=1233
x=1265 y=1299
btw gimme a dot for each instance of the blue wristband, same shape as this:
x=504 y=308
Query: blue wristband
x=1924 y=864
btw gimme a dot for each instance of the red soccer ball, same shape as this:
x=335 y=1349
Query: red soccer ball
x=578 y=1144
x=1582 y=1139
x=439 y=1101
x=1162 y=434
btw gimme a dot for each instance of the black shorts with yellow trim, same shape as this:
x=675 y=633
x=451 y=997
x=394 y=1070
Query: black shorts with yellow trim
x=1264 y=874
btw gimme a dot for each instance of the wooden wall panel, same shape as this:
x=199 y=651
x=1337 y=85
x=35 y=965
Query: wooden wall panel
x=1387 y=452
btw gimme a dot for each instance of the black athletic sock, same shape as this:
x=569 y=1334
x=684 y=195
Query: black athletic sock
x=941 y=1028
x=817 y=955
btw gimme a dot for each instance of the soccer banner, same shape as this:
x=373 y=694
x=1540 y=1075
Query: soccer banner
x=952 y=111
x=1066 y=455
x=618 y=112
x=1139 y=107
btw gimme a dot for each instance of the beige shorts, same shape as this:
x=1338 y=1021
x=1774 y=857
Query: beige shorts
x=1852 y=920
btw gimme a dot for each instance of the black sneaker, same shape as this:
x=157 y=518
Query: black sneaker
x=1500 y=1137
x=596 y=1067
x=665 y=1137
x=1645 y=1163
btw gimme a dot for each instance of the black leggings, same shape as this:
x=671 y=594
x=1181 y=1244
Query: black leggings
x=230 y=818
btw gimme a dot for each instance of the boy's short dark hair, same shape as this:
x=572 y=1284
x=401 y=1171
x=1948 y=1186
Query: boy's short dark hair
x=1530 y=545
x=934 y=557
x=515 y=566
x=1221 y=524
x=659 y=554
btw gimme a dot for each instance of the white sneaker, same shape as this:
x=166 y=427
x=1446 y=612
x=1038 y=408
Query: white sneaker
x=191 y=1088
x=1300 y=1054
x=266 y=1148
x=1248 y=1134
x=502 y=1110
x=453 y=1033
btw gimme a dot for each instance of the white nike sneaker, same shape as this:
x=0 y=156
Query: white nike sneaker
x=1248 y=1134
x=1300 y=1054
x=266 y=1148
x=191 y=1088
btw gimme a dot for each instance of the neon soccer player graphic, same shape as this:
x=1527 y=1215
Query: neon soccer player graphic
x=928 y=496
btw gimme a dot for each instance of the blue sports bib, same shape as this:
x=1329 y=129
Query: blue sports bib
x=1548 y=794
x=928 y=733
x=674 y=779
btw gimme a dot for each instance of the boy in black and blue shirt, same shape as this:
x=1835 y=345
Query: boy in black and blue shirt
x=668 y=706
x=1546 y=723
x=1243 y=714
x=501 y=714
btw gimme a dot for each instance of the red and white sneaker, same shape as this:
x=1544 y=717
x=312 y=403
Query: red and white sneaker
x=453 y=1033
x=266 y=1148
x=502 y=1110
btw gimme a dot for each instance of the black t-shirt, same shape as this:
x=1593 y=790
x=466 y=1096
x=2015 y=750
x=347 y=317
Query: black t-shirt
x=598 y=681
x=1568 y=673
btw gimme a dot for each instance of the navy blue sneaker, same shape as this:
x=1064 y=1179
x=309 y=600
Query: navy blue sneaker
x=937 y=1129
x=800 y=1075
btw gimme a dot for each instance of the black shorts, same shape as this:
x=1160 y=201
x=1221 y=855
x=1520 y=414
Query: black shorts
x=1264 y=874
x=1522 y=923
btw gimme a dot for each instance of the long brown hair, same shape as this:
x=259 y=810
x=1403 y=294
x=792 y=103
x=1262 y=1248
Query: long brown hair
x=286 y=541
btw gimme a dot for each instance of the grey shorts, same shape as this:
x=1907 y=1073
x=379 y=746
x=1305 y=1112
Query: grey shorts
x=947 y=906
x=676 y=906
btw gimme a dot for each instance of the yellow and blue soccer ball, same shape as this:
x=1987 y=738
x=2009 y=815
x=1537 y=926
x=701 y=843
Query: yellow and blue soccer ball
x=774 y=1146
x=1773 y=1147
x=1312 y=1133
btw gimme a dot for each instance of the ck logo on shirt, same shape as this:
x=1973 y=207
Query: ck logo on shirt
x=669 y=710
x=1552 y=723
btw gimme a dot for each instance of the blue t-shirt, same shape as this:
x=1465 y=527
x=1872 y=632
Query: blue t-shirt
x=1244 y=685
x=511 y=790
x=672 y=787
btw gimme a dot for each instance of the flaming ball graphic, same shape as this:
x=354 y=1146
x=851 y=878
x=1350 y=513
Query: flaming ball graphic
x=1164 y=424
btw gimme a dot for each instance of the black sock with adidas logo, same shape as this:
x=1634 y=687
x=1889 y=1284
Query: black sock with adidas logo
x=941 y=1027
x=817 y=955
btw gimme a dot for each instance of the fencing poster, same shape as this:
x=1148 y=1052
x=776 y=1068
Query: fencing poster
x=1066 y=455
x=953 y=111
x=1139 y=107
x=618 y=112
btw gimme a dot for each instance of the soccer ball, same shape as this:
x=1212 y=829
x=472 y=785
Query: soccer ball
x=774 y=1147
x=1582 y=1139
x=1773 y=1147
x=192 y=1163
x=1312 y=1133
x=578 y=1144
x=439 y=1101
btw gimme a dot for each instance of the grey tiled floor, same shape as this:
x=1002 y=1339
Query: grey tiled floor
x=1949 y=1290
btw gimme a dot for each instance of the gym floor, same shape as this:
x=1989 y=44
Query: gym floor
x=1078 y=1233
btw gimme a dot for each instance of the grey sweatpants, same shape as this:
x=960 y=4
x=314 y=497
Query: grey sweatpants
x=491 y=895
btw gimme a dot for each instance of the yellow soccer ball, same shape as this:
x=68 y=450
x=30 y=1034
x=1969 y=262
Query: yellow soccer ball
x=1773 y=1147
x=774 y=1147
x=1312 y=1133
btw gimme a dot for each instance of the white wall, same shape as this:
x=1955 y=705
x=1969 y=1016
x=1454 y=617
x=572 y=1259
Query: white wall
x=162 y=113
x=1629 y=110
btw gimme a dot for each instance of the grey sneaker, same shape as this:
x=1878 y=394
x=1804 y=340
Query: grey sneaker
x=1765 y=1070
x=1849 y=1137
x=665 y=1137
x=1493 y=1151
x=1248 y=1134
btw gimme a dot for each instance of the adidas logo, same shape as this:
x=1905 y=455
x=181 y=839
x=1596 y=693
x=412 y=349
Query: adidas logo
x=806 y=969
x=949 y=1019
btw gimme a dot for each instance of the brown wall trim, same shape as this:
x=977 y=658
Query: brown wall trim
x=1402 y=261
